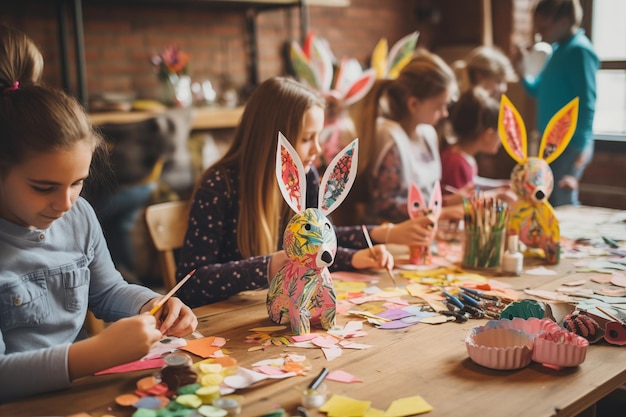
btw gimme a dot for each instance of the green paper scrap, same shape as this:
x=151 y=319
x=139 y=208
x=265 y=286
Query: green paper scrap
x=408 y=406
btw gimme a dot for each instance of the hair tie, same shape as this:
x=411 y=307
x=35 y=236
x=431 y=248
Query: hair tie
x=12 y=87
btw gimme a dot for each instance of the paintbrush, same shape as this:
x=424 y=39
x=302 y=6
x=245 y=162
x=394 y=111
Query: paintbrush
x=170 y=293
x=370 y=245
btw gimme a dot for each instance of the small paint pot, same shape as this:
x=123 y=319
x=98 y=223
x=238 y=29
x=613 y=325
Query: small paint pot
x=314 y=398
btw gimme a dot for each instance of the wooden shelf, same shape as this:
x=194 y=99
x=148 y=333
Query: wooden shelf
x=204 y=118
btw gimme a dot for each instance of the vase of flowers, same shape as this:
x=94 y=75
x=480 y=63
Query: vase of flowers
x=172 y=66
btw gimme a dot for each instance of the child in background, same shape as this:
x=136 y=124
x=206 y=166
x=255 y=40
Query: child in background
x=486 y=67
x=474 y=119
x=21 y=58
x=54 y=261
x=475 y=122
x=400 y=145
x=568 y=73
x=238 y=215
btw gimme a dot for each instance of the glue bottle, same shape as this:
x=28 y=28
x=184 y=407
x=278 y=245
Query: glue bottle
x=513 y=259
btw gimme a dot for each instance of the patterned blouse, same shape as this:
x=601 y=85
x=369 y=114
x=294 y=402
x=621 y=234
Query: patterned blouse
x=210 y=244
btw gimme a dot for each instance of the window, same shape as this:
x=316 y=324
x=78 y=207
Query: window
x=608 y=35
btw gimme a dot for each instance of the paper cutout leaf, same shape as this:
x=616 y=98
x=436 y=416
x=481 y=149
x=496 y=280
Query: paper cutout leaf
x=559 y=131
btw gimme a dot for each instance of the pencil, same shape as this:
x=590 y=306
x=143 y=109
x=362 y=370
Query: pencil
x=170 y=293
x=370 y=245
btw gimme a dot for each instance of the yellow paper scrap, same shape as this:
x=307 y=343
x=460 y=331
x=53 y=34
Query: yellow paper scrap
x=408 y=406
x=391 y=292
x=340 y=406
x=374 y=412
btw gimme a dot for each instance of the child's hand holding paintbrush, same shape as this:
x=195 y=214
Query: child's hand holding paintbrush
x=176 y=319
x=383 y=256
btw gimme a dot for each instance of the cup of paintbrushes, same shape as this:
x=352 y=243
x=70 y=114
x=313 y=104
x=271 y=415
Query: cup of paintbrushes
x=484 y=234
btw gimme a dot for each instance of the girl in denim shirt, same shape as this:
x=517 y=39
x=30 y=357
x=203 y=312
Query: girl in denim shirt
x=54 y=261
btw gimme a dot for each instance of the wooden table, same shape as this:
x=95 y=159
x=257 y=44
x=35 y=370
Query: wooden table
x=425 y=360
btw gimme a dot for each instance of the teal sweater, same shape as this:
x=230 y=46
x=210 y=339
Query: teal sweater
x=568 y=73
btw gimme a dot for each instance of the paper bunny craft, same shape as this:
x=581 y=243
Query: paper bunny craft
x=343 y=84
x=531 y=216
x=302 y=290
x=416 y=206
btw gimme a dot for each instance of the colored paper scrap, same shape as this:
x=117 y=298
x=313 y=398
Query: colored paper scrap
x=407 y=407
x=341 y=406
x=396 y=324
x=540 y=270
x=204 y=347
x=134 y=366
x=394 y=314
x=332 y=352
x=165 y=345
x=342 y=376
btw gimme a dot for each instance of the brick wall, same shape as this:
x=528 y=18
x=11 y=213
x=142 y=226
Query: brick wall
x=119 y=40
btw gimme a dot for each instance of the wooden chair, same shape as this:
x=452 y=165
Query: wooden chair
x=167 y=224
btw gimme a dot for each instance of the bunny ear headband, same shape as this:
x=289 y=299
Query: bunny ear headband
x=388 y=64
x=555 y=139
x=313 y=64
x=334 y=187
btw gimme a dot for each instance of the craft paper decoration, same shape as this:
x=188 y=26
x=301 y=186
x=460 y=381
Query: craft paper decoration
x=342 y=82
x=532 y=216
x=416 y=206
x=388 y=64
x=302 y=290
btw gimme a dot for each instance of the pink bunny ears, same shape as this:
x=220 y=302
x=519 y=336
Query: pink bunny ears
x=313 y=64
x=555 y=139
x=334 y=187
x=416 y=206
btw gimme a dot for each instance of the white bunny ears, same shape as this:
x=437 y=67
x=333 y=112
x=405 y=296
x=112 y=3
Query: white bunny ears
x=334 y=187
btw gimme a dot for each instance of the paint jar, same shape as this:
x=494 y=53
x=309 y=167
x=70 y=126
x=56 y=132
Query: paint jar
x=314 y=398
x=230 y=403
x=513 y=259
x=178 y=371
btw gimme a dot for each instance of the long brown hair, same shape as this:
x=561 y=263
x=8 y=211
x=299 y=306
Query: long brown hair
x=276 y=105
x=424 y=77
x=36 y=119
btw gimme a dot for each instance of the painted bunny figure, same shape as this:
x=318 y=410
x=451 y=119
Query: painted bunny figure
x=421 y=255
x=531 y=216
x=302 y=290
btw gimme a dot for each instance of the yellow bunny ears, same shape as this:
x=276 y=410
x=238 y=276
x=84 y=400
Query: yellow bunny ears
x=555 y=139
x=388 y=64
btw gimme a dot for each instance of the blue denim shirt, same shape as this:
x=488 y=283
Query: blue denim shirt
x=48 y=279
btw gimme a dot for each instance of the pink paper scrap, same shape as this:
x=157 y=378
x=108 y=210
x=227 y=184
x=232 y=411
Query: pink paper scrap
x=342 y=376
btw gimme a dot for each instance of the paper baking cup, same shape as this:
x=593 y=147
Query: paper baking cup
x=500 y=348
x=560 y=348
